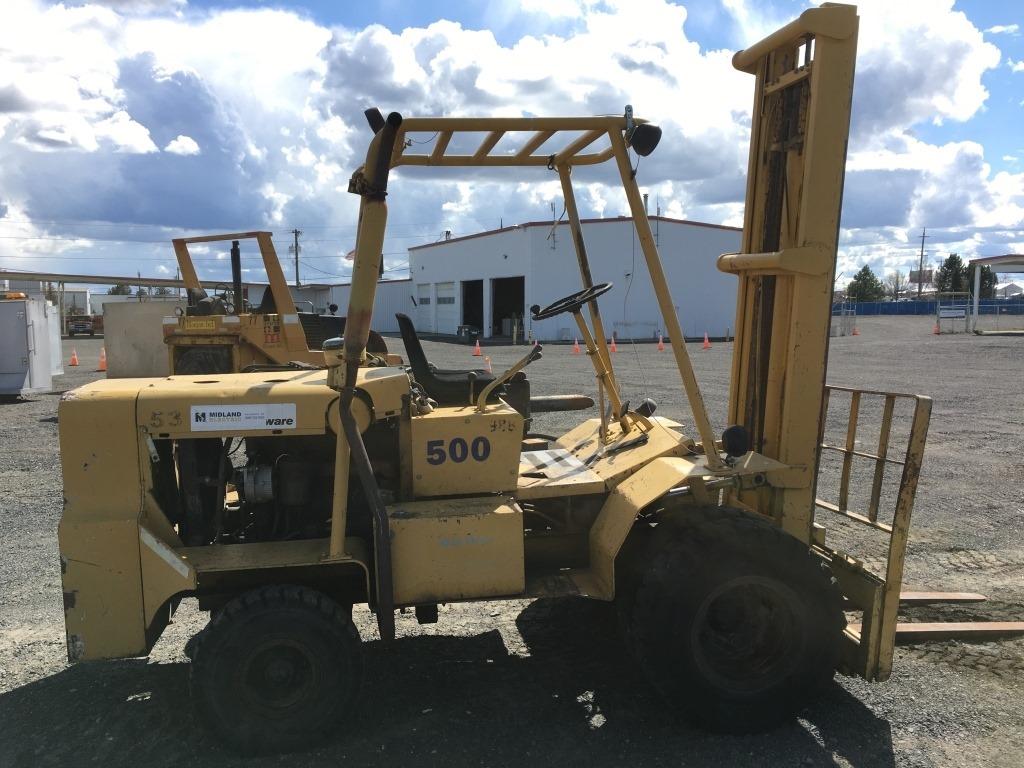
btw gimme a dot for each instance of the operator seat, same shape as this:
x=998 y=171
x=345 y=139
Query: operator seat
x=451 y=387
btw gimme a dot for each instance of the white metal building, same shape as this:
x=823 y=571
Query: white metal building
x=392 y=296
x=487 y=279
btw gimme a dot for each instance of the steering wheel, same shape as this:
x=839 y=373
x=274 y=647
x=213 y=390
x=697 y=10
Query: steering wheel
x=573 y=302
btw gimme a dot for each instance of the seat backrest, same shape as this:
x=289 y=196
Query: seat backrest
x=417 y=357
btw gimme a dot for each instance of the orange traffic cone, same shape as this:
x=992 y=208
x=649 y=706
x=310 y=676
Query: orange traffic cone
x=706 y=344
x=476 y=351
x=936 y=330
x=614 y=348
x=661 y=343
x=575 y=346
x=855 y=331
x=103 y=359
x=74 y=358
x=487 y=361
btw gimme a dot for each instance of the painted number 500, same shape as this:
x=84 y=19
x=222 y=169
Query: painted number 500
x=458 y=450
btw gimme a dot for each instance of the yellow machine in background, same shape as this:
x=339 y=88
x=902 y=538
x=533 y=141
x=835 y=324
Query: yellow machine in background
x=319 y=489
x=225 y=332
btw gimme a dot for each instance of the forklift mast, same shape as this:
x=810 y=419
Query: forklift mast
x=800 y=124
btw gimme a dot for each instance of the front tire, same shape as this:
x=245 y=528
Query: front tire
x=277 y=669
x=734 y=621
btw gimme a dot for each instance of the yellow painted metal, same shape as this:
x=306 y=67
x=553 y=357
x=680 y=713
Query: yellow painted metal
x=500 y=379
x=228 y=558
x=275 y=277
x=339 y=499
x=166 y=407
x=599 y=342
x=456 y=549
x=102 y=582
x=804 y=82
x=620 y=509
x=556 y=478
x=457 y=450
x=164 y=574
x=98 y=533
x=605 y=378
x=543 y=131
x=665 y=303
x=255 y=338
x=878 y=597
x=365 y=273
x=623 y=454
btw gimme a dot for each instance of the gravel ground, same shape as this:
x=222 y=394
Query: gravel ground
x=547 y=682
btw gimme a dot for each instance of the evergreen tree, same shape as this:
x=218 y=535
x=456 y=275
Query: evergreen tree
x=120 y=289
x=865 y=286
x=988 y=283
x=952 y=275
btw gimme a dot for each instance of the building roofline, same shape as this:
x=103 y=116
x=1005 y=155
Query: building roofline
x=153 y=282
x=565 y=223
x=1015 y=260
x=379 y=282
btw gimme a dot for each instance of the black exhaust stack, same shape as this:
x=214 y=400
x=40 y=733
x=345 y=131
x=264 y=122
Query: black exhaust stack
x=236 y=277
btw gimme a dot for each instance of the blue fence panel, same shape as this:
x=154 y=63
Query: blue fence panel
x=1013 y=306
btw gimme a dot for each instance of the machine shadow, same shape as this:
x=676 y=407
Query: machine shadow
x=439 y=700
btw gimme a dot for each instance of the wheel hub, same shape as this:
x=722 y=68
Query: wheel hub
x=278 y=675
x=748 y=634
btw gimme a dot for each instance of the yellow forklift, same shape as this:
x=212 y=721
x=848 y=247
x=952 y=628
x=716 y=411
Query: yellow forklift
x=223 y=331
x=352 y=484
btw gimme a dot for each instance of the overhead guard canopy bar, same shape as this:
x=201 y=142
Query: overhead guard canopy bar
x=566 y=150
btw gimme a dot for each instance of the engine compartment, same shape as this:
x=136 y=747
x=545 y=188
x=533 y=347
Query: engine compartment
x=268 y=488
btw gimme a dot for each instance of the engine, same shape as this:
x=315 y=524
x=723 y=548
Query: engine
x=272 y=488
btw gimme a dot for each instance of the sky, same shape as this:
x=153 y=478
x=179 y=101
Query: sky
x=124 y=123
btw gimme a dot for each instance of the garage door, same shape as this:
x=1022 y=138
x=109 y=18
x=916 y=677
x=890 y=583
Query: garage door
x=447 y=309
x=424 y=310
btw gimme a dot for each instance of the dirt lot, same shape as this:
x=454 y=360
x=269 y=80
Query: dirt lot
x=547 y=683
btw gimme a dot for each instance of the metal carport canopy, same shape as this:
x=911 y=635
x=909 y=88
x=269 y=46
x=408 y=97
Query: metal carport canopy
x=1011 y=262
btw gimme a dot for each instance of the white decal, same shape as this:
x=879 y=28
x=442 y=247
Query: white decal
x=231 y=416
x=164 y=552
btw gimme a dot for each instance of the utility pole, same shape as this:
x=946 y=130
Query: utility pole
x=295 y=249
x=920 y=264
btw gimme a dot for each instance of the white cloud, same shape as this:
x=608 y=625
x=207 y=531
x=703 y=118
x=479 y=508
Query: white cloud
x=275 y=102
x=182 y=145
x=1015 y=66
x=1004 y=29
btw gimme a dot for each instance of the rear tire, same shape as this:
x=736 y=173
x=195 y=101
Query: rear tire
x=734 y=621
x=277 y=670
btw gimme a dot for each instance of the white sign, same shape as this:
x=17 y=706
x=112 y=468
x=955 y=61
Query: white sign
x=231 y=416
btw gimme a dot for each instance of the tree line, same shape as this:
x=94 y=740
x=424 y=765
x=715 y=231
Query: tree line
x=954 y=276
x=123 y=289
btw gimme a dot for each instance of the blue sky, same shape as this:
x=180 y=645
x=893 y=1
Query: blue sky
x=124 y=123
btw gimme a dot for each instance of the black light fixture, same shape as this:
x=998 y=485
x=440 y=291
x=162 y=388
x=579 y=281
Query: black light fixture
x=642 y=138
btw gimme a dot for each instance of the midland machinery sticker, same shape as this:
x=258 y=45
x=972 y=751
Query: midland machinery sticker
x=217 y=418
